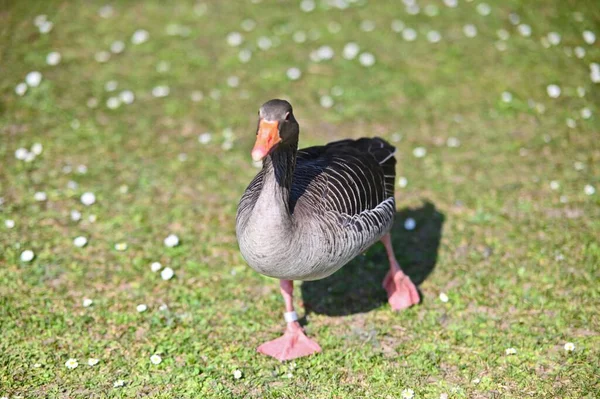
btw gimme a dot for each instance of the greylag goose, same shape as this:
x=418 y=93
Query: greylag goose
x=309 y=212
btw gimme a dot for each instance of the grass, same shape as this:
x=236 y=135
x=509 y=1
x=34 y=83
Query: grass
x=518 y=260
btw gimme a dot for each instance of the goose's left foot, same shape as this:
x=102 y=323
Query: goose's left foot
x=402 y=292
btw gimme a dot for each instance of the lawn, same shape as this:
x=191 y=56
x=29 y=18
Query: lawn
x=151 y=107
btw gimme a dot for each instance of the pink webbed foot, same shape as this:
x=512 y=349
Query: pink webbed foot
x=293 y=344
x=402 y=292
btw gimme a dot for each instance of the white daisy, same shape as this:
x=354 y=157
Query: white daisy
x=93 y=361
x=410 y=224
x=113 y=102
x=155 y=359
x=554 y=38
x=167 y=273
x=111 y=85
x=579 y=52
x=21 y=89
x=127 y=96
x=293 y=73
x=569 y=346
x=234 y=39
x=75 y=215
x=586 y=113
x=102 y=56
x=484 y=9
x=443 y=297
x=350 y=50
x=121 y=246
x=589 y=189
x=9 y=223
x=27 y=255
x=553 y=91
x=451 y=3
x=595 y=72
x=140 y=36
x=37 y=148
x=453 y=142
x=264 y=43
x=434 y=36
x=326 y=101
x=33 y=79
x=554 y=185
x=117 y=47
x=524 y=30
x=205 y=138
x=21 y=153
x=88 y=198
x=40 y=19
x=53 y=58
x=118 y=384
x=402 y=181
x=366 y=59
x=80 y=241
x=299 y=36
x=71 y=364
x=470 y=30
x=589 y=37
x=45 y=27
x=307 y=5
x=40 y=196
x=155 y=266
x=409 y=34
x=160 y=91
x=87 y=302
x=510 y=351
x=171 y=241
x=408 y=394
x=237 y=374
x=141 y=308
x=419 y=152
x=397 y=25
x=367 y=26
x=325 y=53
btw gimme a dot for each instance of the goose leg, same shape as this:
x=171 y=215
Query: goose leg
x=294 y=343
x=402 y=292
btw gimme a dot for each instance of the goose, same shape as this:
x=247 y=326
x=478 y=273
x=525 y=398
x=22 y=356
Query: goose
x=309 y=212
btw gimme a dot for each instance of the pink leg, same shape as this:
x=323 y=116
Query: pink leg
x=402 y=293
x=294 y=343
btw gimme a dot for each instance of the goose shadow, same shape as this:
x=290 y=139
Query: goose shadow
x=356 y=287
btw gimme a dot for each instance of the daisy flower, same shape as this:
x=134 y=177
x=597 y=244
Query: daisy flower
x=71 y=364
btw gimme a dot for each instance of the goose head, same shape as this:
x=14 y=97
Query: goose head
x=276 y=126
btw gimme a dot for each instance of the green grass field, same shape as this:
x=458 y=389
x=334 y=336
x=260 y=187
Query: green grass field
x=506 y=198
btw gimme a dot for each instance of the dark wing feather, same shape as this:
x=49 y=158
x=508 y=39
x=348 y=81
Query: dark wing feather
x=348 y=176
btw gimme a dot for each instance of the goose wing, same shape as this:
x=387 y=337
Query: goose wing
x=346 y=177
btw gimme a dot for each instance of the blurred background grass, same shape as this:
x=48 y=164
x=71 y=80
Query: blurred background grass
x=511 y=172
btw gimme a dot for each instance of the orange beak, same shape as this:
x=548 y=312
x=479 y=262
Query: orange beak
x=266 y=138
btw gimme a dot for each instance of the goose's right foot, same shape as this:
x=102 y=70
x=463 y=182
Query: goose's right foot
x=293 y=344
